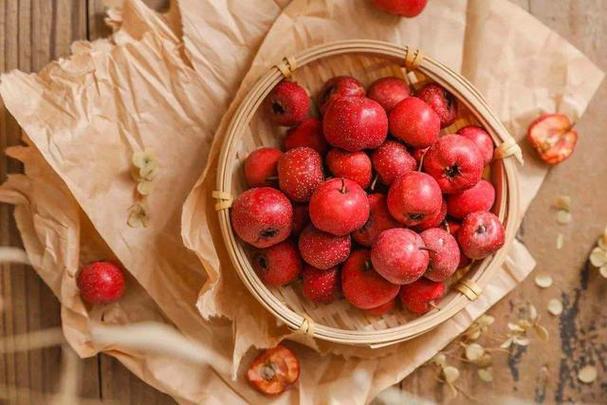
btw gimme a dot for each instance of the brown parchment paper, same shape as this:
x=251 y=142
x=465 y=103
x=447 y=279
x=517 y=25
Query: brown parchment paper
x=88 y=114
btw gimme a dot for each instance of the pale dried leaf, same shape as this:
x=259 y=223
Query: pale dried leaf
x=451 y=374
x=521 y=341
x=541 y=332
x=587 y=374
x=507 y=343
x=145 y=187
x=563 y=217
x=603 y=271
x=555 y=307
x=560 y=241
x=525 y=324
x=474 y=351
x=598 y=257
x=543 y=280
x=563 y=202
x=515 y=327
x=485 y=374
x=13 y=255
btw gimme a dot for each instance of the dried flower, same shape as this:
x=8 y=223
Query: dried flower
x=138 y=216
x=587 y=374
x=543 y=280
x=145 y=187
x=450 y=374
x=563 y=217
x=518 y=334
x=485 y=374
x=555 y=307
x=563 y=202
x=478 y=327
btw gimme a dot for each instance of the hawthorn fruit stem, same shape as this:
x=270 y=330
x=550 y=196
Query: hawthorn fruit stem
x=343 y=189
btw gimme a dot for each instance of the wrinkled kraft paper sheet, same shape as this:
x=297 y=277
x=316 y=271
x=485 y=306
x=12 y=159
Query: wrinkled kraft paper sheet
x=87 y=115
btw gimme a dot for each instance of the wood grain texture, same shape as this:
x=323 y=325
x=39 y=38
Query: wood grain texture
x=34 y=32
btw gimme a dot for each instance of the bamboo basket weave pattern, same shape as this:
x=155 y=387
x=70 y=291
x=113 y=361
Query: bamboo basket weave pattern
x=367 y=61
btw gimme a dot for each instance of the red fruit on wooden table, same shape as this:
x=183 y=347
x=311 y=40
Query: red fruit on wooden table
x=419 y=296
x=337 y=87
x=339 y=207
x=479 y=197
x=442 y=102
x=101 y=282
x=415 y=123
x=382 y=309
x=480 y=235
x=399 y=255
x=321 y=286
x=413 y=197
x=262 y=216
x=355 y=166
x=403 y=8
x=362 y=286
x=308 y=133
x=553 y=137
x=379 y=220
x=274 y=370
x=392 y=160
x=299 y=173
x=433 y=221
x=481 y=139
x=389 y=91
x=323 y=250
x=355 y=123
x=301 y=218
x=261 y=165
x=455 y=163
x=278 y=265
x=444 y=254
x=288 y=103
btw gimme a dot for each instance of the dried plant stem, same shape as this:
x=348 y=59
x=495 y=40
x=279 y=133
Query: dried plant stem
x=70 y=378
x=12 y=394
x=32 y=340
x=13 y=255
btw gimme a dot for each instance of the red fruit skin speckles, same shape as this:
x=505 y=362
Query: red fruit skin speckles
x=389 y=91
x=455 y=163
x=339 y=206
x=481 y=139
x=391 y=160
x=413 y=197
x=415 y=123
x=101 y=282
x=444 y=254
x=418 y=296
x=288 y=103
x=379 y=220
x=362 y=286
x=278 y=265
x=355 y=123
x=355 y=166
x=262 y=216
x=480 y=235
x=260 y=165
x=338 y=87
x=308 y=133
x=321 y=286
x=479 y=197
x=442 y=102
x=399 y=255
x=323 y=250
x=299 y=173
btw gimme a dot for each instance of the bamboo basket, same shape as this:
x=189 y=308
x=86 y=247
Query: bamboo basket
x=366 y=60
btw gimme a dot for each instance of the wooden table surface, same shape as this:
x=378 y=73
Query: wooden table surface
x=34 y=32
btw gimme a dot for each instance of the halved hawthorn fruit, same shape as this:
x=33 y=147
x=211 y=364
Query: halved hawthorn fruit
x=274 y=370
x=553 y=137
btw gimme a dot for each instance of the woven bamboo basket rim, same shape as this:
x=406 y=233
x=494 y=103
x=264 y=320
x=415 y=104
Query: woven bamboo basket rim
x=507 y=201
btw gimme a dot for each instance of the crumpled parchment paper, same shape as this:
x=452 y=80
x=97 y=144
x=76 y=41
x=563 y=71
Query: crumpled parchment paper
x=146 y=89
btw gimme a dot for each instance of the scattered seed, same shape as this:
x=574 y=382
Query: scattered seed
x=598 y=257
x=563 y=217
x=474 y=352
x=587 y=374
x=560 y=241
x=555 y=307
x=485 y=374
x=451 y=374
x=563 y=202
x=543 y=280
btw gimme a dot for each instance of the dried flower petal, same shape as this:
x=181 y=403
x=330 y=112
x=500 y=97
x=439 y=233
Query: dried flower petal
x=525 y=324
x=507 y=343
x=563 y=217
x=603 y=271
x=521 y=341
x=485 y=320
x=138 y=217
x=472 y=333
x=451 y=374
x=587 y=374
x=543 y=280
x=515 y=327
x=541 y=332
x=563 y=202
x=143 y=158
x=598 y=257
x=560 y=241
x=532 y=312
x=555 y=307
x=484 y=361
x=148 y=172
x=439 y=359
x=474 y=351
x=145 y=187
x=485 y=374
